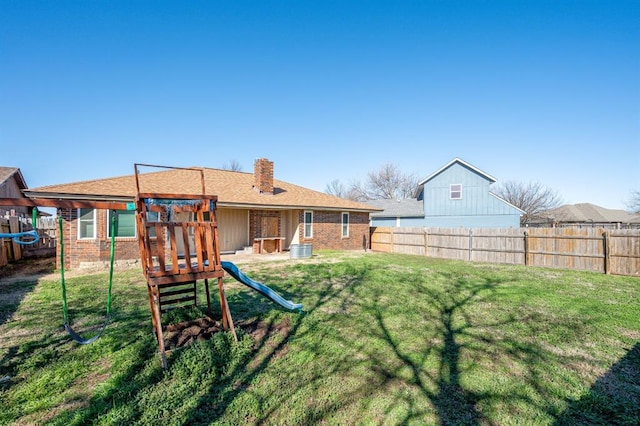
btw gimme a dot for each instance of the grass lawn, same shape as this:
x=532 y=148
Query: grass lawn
x=383 y=339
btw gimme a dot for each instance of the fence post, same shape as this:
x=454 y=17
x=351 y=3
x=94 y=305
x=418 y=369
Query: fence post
x=526 y=248
x=392 y=240
x=426 y=243
x=470 y=243
x=605 y=250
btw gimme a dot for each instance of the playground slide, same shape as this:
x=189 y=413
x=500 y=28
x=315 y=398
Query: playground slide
x=233 y=270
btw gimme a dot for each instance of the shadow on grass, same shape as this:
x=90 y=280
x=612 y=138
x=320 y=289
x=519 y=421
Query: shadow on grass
x=265 y=348
x=17 y=280
x=441 y=386
x=214 y=373
x=459 y=338
x=462 y=343
x=614 y=399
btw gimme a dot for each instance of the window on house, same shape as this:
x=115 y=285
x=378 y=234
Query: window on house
x=345 y=224
x=152 y=217
x=308 y=224
x=455 y=192
x=125 y=223
x=86 y=223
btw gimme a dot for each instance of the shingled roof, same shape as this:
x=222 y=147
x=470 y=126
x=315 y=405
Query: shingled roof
x=586 y=212
x=408 y=207
x=234 y=189
x=7 y=172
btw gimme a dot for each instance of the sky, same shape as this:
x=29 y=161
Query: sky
x=543 y=91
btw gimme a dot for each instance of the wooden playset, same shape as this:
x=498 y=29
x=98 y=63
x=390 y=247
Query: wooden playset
x=178 y=237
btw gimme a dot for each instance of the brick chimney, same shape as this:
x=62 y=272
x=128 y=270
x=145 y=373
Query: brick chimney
x=263 y=176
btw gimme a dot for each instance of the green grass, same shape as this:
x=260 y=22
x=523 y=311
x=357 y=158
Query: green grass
x=383 y=339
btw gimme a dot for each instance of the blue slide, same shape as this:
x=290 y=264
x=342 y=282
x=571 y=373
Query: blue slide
x=233 y=270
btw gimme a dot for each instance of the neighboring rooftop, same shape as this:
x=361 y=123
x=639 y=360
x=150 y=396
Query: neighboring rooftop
x=7 y=172
x=409 y=207
x=589 y=213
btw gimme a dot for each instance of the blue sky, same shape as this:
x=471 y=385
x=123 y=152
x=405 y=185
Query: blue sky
x=545 y=91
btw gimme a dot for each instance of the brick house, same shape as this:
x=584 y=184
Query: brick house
x=255 y=212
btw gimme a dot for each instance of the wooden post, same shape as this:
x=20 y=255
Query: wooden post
x=227 y=321
x=426 y=243
x=470 y=243
x=14 y=228
x=605 y=250
x=392 y=240
x=526 y=248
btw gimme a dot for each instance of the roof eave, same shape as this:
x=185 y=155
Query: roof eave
x=78 y=197
x=296 y=207
x=508 y=203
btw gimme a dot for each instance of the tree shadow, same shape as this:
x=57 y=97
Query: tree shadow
x=457 y=334
x=453 y=404
x=266 y=348
x=614 y=399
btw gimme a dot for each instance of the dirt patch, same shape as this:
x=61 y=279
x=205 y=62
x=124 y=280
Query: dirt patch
x=184 y=333
x=181 y=334
x=260 y=331
x=28 y=268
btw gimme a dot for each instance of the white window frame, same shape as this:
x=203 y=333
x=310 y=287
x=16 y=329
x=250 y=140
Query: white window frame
x=308 y=226
x=455 y=191
x=81 y=221
x=345 y=224
x=135 y=225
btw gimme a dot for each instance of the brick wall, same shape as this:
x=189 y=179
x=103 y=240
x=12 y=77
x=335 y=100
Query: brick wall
x=89 y=251
x=255 y=226
x=327 y=231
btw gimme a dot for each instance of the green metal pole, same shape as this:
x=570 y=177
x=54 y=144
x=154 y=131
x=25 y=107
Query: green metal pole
x=64 y=288
x=111 y=257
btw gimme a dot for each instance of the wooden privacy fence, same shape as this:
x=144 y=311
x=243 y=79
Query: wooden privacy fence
x=11 y=251
x=592 y=249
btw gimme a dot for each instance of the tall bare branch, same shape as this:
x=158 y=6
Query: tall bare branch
x=532 y=197
x=388 y=182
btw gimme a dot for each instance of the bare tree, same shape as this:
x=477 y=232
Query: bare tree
x=353 y=192
x=388 y=182
x=336 y=188
x=233 y=165
x=634 y=202
x=533 y=198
